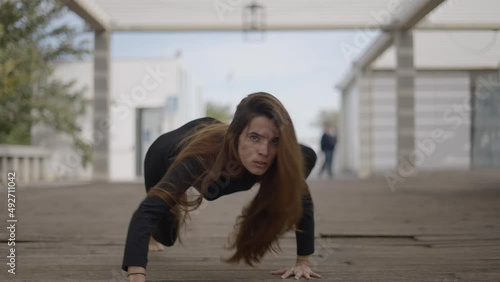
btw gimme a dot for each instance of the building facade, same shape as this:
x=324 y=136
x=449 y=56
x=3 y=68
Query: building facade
x=147 y=98
x=457 y=121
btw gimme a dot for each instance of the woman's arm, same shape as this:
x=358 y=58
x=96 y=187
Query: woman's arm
x=136 y=274
x=143 y=223
x=305 y=233
x=305 y=244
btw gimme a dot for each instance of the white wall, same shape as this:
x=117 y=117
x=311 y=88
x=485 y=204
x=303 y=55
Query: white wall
x=135 y=83
x=442 y=103
x=351 y=130
x=384 y=122
x=65 y=163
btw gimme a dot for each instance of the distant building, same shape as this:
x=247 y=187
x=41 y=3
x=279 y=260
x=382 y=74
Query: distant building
x=148 y=97
x=457 y=96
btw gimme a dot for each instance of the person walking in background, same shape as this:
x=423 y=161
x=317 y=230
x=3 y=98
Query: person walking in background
x=328 y=142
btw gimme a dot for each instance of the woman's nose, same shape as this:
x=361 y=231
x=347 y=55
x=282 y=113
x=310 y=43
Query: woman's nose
x=264 y=149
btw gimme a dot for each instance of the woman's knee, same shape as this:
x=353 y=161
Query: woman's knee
x=166 y=233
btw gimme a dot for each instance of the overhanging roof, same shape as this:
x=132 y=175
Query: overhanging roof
x=451 y=15
x=450 y=50
x=215 y=15
x=226 y=15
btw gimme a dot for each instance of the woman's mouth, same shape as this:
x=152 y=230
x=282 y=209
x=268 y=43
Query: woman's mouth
x=260 y=164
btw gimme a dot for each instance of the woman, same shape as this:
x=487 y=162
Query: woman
x=259 y=146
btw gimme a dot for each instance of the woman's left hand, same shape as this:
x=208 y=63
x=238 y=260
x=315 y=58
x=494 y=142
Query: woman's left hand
x=301 y=269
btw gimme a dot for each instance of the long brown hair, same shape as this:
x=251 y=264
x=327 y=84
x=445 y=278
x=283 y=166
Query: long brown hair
x=277 y=207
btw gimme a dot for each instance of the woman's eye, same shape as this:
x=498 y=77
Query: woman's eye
x=254 y=137
x=275 y=141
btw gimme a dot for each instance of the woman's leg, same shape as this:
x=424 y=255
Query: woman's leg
x=328 y=162
x=165 y=233
x=323 y=167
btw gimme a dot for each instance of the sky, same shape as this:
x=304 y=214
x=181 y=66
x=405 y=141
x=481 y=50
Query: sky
x=301 y=68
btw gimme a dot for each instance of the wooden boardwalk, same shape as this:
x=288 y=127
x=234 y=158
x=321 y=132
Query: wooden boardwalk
x=433 y=227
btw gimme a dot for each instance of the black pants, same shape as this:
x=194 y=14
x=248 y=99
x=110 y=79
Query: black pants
x=158 y=159
x=327 y=164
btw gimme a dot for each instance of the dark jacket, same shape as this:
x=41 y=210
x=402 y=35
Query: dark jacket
x=328 y=142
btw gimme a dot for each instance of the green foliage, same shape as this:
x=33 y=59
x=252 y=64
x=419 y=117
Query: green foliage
x=327 y=117
x=220 y=112
x=30 y=41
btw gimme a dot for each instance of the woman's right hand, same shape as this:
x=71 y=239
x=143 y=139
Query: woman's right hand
x=136 y=274
x=137 y=278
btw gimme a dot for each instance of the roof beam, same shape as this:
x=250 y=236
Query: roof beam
x=458 y=26
x=299 y=26
x=92 y=14
x=236 y=27
x=376 y=49
x=386 y=39
x=418 y=13
x=296 y=27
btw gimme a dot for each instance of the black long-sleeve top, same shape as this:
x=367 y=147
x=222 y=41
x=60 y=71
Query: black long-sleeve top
x=146 y=218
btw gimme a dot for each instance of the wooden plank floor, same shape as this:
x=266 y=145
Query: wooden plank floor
x=433 y=227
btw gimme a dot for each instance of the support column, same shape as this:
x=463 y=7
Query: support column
x=342 y=134
x=36 y=169
x=100 y=156
x=365 y=122
x=405 y=102
x=44 y=170
x=15 y=164
x=5 y=167
x=26 y=169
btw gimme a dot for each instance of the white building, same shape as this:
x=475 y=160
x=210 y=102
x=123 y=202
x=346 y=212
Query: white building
x=456 y=106
x=147 y=98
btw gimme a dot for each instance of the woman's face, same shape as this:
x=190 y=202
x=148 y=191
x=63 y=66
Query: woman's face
x=258 y=144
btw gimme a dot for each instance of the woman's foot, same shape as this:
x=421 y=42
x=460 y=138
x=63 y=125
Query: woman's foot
x=155 y=246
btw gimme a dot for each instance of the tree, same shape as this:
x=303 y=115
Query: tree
x=325 y=117
x=30 y=42
x=220 y=112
